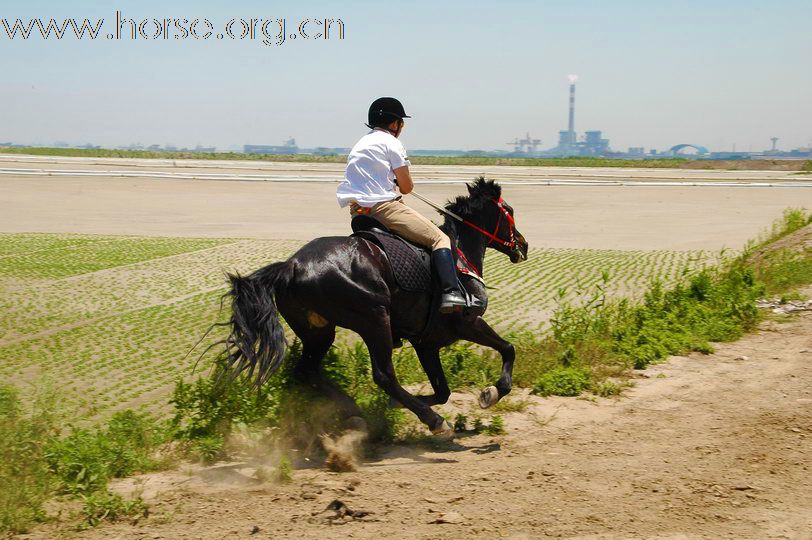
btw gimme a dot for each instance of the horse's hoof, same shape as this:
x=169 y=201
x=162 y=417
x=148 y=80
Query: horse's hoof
x=445 y=431
x=489 y=397
x=356 y=423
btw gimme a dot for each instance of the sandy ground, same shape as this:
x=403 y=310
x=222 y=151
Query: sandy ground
x=298 y=202
x=713 y=446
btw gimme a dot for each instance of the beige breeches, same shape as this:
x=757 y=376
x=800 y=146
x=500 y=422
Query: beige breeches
x=406 y=222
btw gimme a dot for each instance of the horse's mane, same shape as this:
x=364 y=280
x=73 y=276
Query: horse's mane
x=480 y=191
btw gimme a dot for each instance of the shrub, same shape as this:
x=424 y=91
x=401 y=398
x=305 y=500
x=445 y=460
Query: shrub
x=786 y=270
x=479 y=425
x=79 y=462
x=464 y=366
x=86 y=459
x=284 y=470
x=35 y=462
x=206 y=408
x=609 y=388
x=107 y=506
x=562 y=381
x=460 y=423
x=24 y=471
x=209 y=448
x=496 y=426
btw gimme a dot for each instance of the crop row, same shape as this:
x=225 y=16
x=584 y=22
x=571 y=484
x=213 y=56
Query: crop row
x=34 y=307
x=66 y=256
x=116 y=336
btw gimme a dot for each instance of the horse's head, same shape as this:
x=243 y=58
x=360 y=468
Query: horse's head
x=486 y=211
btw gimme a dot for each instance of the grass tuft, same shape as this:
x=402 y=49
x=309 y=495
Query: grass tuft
x=107 y=506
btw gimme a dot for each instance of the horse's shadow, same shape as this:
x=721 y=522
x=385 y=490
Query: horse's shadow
x=427 y=451
x=421 y=452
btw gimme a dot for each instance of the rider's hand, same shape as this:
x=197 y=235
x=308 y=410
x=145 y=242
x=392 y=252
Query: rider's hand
x=403 y=178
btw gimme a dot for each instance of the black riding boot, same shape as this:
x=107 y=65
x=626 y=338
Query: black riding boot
x=453 y=298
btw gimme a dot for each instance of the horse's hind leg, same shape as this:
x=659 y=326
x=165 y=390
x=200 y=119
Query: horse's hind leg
x=378 y=338
x=430 y=360
x=315 y=344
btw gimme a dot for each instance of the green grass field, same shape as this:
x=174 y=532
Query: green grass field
x=109 y=319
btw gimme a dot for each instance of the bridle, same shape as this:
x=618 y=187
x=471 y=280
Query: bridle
x=494 y=236
x=504 y=215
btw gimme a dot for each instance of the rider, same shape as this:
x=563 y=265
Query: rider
x=377 y=174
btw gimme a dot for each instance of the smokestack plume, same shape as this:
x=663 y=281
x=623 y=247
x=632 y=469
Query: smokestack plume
x=571 y=131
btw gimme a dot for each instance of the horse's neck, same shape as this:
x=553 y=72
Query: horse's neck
x=472 y=245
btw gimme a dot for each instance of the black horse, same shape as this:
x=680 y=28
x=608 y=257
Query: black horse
x=348 y=282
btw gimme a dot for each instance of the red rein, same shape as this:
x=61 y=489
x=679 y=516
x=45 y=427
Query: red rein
x=503 y=212
x=493 y=238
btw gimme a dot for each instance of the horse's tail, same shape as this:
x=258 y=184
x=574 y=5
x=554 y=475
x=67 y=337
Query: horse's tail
x=256 y=343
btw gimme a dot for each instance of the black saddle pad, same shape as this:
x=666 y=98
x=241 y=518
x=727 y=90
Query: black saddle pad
x=410 y=263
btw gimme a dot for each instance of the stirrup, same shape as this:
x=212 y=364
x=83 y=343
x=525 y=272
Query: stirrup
x=475 y=305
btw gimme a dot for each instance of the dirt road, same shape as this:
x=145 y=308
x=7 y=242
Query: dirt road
x=594 y=216
x=714 y=446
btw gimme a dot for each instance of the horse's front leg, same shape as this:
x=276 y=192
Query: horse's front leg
x=481 y=333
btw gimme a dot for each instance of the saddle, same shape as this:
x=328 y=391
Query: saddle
x=411 y=264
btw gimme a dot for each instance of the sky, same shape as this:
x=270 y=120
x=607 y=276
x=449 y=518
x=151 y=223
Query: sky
x=473 y=74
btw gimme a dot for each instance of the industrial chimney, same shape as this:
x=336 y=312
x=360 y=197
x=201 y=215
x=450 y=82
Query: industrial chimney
x=571 y=131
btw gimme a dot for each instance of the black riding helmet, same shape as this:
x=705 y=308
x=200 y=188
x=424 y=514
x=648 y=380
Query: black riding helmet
x=384 y=111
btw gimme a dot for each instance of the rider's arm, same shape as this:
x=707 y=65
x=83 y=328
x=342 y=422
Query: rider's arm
x=404 y=179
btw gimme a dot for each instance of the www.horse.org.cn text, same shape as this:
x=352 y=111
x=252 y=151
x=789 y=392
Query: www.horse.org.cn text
x=267 y=31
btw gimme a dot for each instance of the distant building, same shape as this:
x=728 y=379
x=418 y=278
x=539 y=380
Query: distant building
x=172 y=148
x=730 y=155
x=326 y=151
x=526 y=146
x=594 y=145
x=288 y=148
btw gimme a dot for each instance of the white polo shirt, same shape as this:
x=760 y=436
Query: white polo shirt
x=369 y=177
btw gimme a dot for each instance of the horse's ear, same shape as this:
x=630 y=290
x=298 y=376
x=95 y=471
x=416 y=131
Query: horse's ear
x=484 y=188
x=475 y=188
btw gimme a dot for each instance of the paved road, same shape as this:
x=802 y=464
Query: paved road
x=332 y=172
